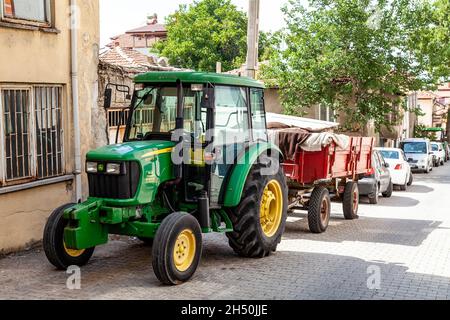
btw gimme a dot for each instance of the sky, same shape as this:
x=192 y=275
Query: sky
x=118 y=16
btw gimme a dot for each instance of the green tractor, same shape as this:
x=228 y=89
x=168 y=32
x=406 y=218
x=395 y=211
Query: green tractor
x=196 y=159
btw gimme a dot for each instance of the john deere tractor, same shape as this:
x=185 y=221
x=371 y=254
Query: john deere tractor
x=195 y=159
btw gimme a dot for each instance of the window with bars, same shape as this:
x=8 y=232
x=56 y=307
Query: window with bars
x=31 y=135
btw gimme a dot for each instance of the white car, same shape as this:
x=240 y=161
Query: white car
x=398 y=167
x=439 y=152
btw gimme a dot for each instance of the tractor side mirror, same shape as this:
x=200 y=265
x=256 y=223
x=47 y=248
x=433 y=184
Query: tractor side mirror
x=108 y=98
x=208 y=99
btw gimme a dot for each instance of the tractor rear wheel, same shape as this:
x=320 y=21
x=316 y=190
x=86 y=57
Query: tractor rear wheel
x=351 y=201
x=54 y=247
x=177 y=248
x=319 y=210
x=260 y=219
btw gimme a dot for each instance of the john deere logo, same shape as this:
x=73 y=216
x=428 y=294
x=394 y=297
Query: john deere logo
x=101 y=167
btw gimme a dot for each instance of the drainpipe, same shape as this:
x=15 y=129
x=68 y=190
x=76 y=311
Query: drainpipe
x=75 y=106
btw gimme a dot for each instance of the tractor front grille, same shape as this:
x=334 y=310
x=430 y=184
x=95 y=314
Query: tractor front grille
x=115 y=186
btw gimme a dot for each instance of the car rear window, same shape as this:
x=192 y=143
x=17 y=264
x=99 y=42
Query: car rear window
x=390 y=154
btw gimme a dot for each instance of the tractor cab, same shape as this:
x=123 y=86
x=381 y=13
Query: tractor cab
x=195 y=158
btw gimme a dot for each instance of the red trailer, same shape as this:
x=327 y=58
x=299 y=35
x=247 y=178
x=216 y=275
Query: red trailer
x=314 y=178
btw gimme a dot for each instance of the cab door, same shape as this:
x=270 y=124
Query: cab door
x=231 y=136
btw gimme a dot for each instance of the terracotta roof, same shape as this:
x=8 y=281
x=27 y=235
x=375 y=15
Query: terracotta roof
x=150 y=28
x=132 y=59
x=123 y=40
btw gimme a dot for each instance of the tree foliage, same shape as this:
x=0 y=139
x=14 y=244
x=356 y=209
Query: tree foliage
x=359 y=57
x=206 y=32
x=203 y=33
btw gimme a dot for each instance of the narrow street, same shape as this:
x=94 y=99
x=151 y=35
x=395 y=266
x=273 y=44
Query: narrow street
x=406 y=238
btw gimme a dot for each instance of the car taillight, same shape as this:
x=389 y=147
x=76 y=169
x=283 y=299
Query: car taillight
x=399 y=167
x=371 y=172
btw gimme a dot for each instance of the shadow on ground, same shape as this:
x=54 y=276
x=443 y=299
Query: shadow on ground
x=122 y=270
x=366 y=229
x=395 y=201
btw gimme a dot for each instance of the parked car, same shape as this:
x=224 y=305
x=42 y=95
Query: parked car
x=419 y=154
x=399 y=167
x=438 y=151
x=447 y=151
x=378 y=182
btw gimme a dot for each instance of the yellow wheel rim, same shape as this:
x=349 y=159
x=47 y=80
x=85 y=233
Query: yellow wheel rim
x=72 y=252
x=271 y=208
x=184 y=250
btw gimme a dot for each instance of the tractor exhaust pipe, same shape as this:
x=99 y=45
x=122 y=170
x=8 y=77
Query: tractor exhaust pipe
x=203 y=211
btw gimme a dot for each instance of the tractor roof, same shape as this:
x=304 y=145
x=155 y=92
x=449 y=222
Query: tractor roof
x=197 y=77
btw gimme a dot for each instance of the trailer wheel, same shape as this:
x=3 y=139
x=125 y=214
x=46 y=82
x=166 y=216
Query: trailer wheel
x=260 y=219
x=319 y=210
x=351 y=201
x=177 y=248
x=54 y=247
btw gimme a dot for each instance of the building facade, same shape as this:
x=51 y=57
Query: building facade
x=435 y=106
x=38 y=127
x=141 y=39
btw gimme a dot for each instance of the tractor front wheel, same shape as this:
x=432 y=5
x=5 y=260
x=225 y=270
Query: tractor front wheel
x=260 y=219
x=54 y=247
x=177 y=248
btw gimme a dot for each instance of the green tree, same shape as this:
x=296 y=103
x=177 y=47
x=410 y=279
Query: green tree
x=205 y=32
x=355 y=56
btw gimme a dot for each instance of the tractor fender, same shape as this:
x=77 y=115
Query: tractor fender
x=239 y=173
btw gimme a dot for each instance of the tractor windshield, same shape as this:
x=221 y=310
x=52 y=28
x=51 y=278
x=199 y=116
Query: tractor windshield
x=155 y=112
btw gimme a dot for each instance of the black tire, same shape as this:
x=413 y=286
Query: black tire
x=389 y=191
x=373 y=198
x=167 y=236
x=248 y=238
x=411 y=180
x=404 y=186
x=351 y=201
x=319 y=210
x=147 y=241
x=53 y=242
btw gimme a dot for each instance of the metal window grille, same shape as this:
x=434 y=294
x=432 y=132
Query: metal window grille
x=31 y=133
x=16 y=117
x=49 y=149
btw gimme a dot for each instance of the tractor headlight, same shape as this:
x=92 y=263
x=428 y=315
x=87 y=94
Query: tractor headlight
x=113 y=168
x=91 y=167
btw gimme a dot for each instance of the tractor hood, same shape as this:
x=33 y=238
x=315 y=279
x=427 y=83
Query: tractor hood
x=130 y=151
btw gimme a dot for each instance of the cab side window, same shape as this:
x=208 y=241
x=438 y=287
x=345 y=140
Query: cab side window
x=258 y=114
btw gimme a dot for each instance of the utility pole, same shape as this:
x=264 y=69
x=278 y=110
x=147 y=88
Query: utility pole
x=253 y=38
x=448 y=125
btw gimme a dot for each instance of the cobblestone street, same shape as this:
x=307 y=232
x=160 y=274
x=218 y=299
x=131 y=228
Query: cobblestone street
x=407 y=237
